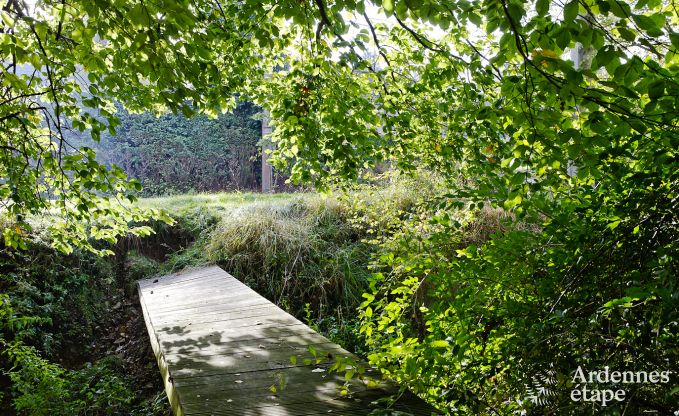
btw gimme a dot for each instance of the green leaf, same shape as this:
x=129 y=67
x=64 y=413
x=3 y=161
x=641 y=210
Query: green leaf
x=674 y=38
x=637 y=125
x=604 y=56
x=401 y=9
x=516 y=12
x=139 y=15
x=475 y=18
x=650 y=25
x=440 y=344
x=570 y=11
x=656 y=89
x=563 y=39
x=619 y=9
x=626 y=34
x=7 y=19
x=388 y=6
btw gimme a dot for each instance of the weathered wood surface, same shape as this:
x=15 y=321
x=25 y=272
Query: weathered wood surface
x=221 y=347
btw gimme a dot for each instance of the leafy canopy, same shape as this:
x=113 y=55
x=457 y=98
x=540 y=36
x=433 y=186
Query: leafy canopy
x=363 y=82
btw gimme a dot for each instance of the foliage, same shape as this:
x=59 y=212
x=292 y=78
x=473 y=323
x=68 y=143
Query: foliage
x=174 y=154
x=582 y=150
x=65 y=64
x=43 y=388
x=172 y=247
x=380 y=205
x=68 y=291
x=472 y=322
x=585 y=153
x=341 y=328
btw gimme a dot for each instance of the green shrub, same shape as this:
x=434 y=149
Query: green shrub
x=214 y=154
x=43 y=388
x=40 y=387
x=485 y=314
x=53 y=309
x=379 y=207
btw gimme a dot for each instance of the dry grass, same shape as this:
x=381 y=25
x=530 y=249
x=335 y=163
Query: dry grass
x=295 y=252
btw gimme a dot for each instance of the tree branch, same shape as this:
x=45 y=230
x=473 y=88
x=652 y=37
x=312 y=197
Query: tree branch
x=427 y=44
x=377 y=42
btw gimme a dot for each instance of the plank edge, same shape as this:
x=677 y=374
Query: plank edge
x=170 y=391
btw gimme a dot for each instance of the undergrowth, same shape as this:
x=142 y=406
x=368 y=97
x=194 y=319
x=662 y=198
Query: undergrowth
x=54 y=311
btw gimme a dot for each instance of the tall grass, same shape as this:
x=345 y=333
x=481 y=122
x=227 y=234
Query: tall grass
x=297 y=252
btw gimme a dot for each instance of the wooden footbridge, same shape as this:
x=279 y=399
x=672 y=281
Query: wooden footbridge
x=225 y=350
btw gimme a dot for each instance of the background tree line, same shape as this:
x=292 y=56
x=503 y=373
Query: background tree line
x=174 y=154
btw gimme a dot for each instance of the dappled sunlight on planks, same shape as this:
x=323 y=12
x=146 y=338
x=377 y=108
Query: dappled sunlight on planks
x=225 y=350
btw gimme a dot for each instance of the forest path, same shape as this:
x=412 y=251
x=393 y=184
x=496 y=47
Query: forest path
x=223 y=349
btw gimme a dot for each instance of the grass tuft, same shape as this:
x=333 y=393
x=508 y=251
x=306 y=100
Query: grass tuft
x=303 y=250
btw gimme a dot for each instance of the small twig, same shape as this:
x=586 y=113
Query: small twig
x=428 y=44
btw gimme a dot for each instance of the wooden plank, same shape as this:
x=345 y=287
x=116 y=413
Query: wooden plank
x=315 y=400
x=254 y=338
x=170 y=390
x=269 y=331
x=254 y=347
x=191 y=365
x=298 y=345
x=292 y=375
x=222 y=303
x=186 y=319
x=202 y=284
x=249 y=321
x=263 y=398
x=306 y=409
x=253 y=352
x=225 y=307
x=189 y=296
x=182 y=276
x=175 y=317
x=221 y=347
